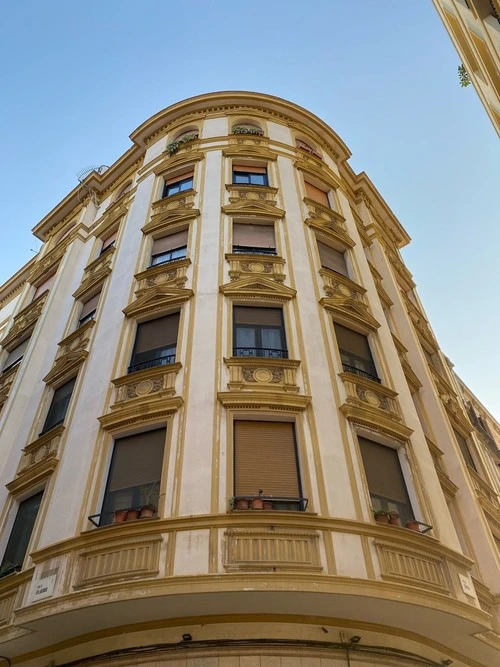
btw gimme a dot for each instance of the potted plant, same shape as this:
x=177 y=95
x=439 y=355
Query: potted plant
x=149 y=496
x=242 y=504
x=413 y=525
x=258 y=503
x=132 y=514
x=248 y=130
x=268 y=504
x=381 y=516
x=119 y=516
x=174 y=146
x=394 y=519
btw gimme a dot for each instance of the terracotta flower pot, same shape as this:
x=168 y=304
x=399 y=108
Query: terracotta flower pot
x=268 y=505
x=413 y=525
x=257 y=504
x=241 y=504
x=132 y=515
x=120 y=516
x=382 y=518
x=146 y=512
x=394 y=519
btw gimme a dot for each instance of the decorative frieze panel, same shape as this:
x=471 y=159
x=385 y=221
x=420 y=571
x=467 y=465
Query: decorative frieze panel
x=263 y=374
x=260 y=288
x=6 y=382
x=118 y=560
x=170 y=211
x=95 y=273
x=271 y=549
x=6 y=607
x=251 y=265
x=39 y=460
x=24 y=322
x=371 y=404
x=171 y=273
x=47 y=264
x=412 y=379
x=346 y=301
x=271 y=401
x=149 y=384
x=249 y=145
x=252 y=200
x=12 y=593
x=72 y=352
x=488 y=498
x=140 y=412
x=409 y=566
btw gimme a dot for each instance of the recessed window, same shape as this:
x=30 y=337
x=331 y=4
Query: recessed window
x=464 y=449
x=355 y=353
x=307 y=147
x=124 y=190
x=133 y=483
x=248 y=175
x=178 y=184
x=169 y=248
x=58 y=406
x=155 y=343
x=385 y=479
x=266 y=464
x=45 y=286
x=253 y=239
x=259 y=332
x=187 y=135
x=109 y=241
x=332 y=259
x=20 y=535
x=15 y=356
x=317 y=194
x=88 y=310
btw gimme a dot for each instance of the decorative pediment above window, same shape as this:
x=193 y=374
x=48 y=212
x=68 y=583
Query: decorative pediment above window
x=73 y=351
x=47 y=264
x=115 y=211
x=255 y=200
x=6 y=381
x=157 y=299
x=348 y=307
x=24 y=323
x=170 y=211
x=244 y=145
x=172 y=273
x=412 y=379
x=185 y=156
x=263 y=400
x=262 y=374
x=261 y=289
x=316 y=168
x=140 y=413
x=377 y=278
x=251 y=265
x=95 y=273
x=372 y=405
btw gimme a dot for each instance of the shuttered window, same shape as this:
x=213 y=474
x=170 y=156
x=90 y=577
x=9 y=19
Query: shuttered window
x=155 y=343
x=248 y=175
x=45 y=286
x=265 y=458
x=16 y=355
x=89 y=308
x=355 y=353
x=253 y=238
x=385 y=478
x=177 y=184
x=464 y=449
x=317 y=195
x=20 y=535
x=134 y=474
x=332 y=259
x=59 y=406
x=169 y=248
x=259 y=332
x=109 y=241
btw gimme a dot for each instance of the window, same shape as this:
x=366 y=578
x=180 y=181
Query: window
x=15 y=356
x=317 y=195
x=304 y=146
x=135 y=474
x=169 y=248
x=20 y=534
x=155 y=343
x=259 y=332
x=126 y=188
x=109 y=242
x=59 y=406
x=265 y=459
x=44 y=287
x=178 y=184
x=88 y=310
x=355 y=353
x=249 y=175
x=332 y=259
x=254 y=239
x=464 y=448
x=385 y=479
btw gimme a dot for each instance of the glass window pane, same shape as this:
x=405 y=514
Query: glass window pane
x=21 y=532
x=186 y=185
x=271 y=339
x=245 y=337
x=59 y=405
x=239 y=177
x=258 y=179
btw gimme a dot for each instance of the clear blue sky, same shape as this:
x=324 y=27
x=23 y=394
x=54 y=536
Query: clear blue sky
x=77 y=78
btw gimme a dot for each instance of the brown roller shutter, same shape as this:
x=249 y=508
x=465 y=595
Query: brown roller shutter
x=90 y=305
x=169 y=242
x=265 y=458
x=109 y=239
x=137 y=460
x=332 y=259
x=156 y=333
x=383 y=471
x=249 y=169
x=353 y=342
x=258 y=316
x=180 y=177
x=256 y=236
x=318 y=195
x=16 y=354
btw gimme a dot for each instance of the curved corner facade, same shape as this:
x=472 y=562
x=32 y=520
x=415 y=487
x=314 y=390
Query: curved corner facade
x=229 y=437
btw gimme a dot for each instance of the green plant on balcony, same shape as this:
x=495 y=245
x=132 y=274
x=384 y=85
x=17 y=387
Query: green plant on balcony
x=240 y=129
x=463 y=76
x=174 y=146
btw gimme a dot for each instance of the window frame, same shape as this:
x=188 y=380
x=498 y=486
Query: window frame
x=149 y=363
x=258 y=335
x=46 y=428
x=371 y=374
x=17 y=567
x=180 y=183
x=249 y=174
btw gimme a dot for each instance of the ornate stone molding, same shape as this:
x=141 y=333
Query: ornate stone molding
x=316 y=168
x=185 y=156
x=24 y=323
x=248 y=145
x=377 y=278
x=258 y=288
x=241 y=265
x=72 y=352
x=254 y=200
x=147 y=385
x=6 y=381
x=420 y=323
x=406 y=279
x=346 y=301
x=140 y=412
x=171 y=210
x=327 y=222
x=262 y=374
x=449 y=488
x=95 y=273
x=269 y=401
x=157 y=299
x=47 y=264
x=488 y=498
x=449 y=399
x=39 y=460
x=414 y=383
x=171 y=273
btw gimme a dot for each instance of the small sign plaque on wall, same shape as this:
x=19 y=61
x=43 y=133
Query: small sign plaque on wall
x=467 y=585
x=44 y=587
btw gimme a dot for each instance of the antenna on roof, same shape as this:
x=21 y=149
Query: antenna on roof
x=84 y=190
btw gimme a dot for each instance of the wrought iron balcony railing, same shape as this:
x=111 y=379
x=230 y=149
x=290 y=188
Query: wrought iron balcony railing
x=252 y=250
x=361 y=373
x=269 y=353
x=151 y=363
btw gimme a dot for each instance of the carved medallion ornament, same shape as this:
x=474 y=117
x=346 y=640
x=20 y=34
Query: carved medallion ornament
x=247 y=265
x=263 y=374
x=172 y=273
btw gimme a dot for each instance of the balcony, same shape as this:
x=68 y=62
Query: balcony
x=251 y=250
x=268 y=503
x=253 y=262
x=252 y=200
x=361 y=373
x=265 y=352
x=164 y=360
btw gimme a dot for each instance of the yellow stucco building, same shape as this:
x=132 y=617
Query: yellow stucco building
x=229 y=437
x=474 y=27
